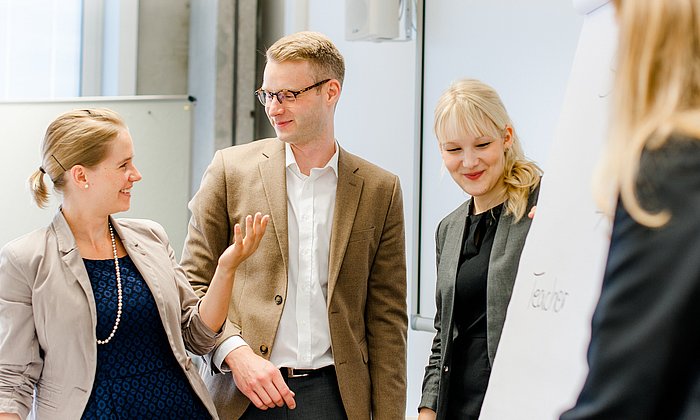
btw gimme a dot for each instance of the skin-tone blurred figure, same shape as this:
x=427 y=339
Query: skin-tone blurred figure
x=645 y=337
x=317 y=327
x=478 y=246
x=95 y=313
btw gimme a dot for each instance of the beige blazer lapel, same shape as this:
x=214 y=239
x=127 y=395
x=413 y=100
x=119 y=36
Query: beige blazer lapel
x=72 y=259
x=274 y=179
x=151 y=274
x=347 y=198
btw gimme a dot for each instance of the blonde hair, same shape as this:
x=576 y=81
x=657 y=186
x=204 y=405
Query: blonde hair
x=313 y=47
x=471 y=106
x=79 y=137
x=657 y=94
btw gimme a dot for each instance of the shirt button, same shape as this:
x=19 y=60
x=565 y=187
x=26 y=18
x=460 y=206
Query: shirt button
x=263 y=349
x=278 y=299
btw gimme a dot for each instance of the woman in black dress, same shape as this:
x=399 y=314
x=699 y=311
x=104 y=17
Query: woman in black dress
x=478 y=246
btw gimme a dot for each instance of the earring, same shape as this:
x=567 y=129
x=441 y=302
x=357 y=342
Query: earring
x=87 y=186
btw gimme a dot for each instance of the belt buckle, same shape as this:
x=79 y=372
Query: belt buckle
x=291 y=373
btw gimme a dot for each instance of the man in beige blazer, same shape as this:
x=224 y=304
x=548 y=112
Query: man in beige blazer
x=317 y=323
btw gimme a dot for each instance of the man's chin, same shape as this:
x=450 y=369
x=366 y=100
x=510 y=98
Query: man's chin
x=286 y=138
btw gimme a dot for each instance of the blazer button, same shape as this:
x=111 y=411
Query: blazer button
x=446 y=369
x=263 y=349
x=278 y=299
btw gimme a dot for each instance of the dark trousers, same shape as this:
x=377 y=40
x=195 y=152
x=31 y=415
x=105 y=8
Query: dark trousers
x=317 y=397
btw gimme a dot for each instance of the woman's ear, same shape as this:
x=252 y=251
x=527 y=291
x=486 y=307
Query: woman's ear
x=78 y=175
x=508 y=137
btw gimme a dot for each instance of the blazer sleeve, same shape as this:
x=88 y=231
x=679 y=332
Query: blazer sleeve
x=20 y=360
x=386 y=317
x=208 y=234
x=643 y=354
x=198 y=337
x=431 y=379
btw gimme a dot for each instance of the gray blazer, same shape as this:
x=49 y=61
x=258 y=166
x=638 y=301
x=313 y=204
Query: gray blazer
x=48 y=317
x=503 y=267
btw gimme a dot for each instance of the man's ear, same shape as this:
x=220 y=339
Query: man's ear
x=333 y=91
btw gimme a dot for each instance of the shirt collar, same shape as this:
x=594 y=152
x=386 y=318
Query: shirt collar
x=291 y=162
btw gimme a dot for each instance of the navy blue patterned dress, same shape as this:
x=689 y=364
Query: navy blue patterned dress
x=137 y=374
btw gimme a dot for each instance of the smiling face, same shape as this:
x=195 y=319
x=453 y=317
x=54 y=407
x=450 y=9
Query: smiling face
x=110 y=181
x=310 y=117
x=476 y=139
x=476 y=163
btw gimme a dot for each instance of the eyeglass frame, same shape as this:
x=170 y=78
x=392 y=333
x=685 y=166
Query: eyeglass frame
x=296 y=93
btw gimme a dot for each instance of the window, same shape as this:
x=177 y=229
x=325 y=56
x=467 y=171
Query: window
x=40 y=48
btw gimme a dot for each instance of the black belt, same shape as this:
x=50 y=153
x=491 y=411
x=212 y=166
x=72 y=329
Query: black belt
x=288 y=372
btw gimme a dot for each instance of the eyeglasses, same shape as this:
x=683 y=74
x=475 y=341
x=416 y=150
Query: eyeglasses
x=284 y=95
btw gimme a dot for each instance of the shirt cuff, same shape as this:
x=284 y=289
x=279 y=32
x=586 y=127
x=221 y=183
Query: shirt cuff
x=229 y=345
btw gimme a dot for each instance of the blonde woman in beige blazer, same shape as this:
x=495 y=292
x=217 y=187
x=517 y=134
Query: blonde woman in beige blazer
x=95 y=313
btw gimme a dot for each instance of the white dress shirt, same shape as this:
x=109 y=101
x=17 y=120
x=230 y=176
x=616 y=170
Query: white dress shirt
x=303 y=338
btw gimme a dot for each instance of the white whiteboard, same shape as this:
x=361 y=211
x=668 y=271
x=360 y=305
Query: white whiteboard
x=540 y=365
x=161 y=130
x=524 y=49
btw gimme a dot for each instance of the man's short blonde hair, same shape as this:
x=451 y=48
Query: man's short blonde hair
x=313 y=47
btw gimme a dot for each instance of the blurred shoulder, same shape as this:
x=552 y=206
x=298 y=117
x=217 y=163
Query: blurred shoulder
x=676 y=153
x=668 y=174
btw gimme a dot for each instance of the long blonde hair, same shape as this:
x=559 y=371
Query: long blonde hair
x=471 y=106
x=79 y=137
x=657 y=93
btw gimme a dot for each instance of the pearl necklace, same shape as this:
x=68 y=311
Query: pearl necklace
x=119 y=289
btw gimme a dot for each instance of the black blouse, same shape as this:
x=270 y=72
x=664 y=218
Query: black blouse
x=470 y=363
